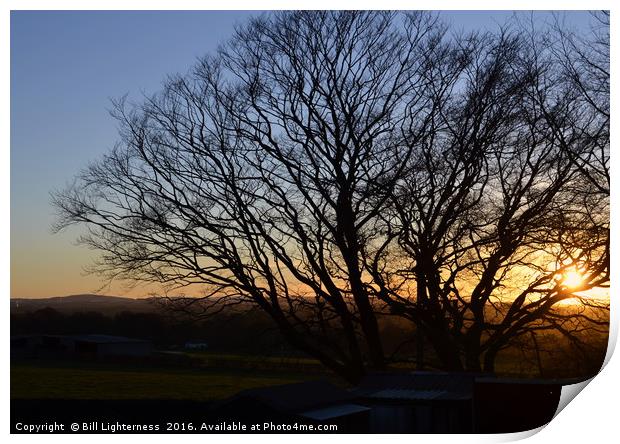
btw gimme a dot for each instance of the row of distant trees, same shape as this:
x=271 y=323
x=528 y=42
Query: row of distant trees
x=163 y=331
x=251 y=334
x=49 y=321
x=333 y=167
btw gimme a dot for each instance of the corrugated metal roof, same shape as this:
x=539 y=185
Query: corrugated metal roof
x=335 y=411
x=417 y=386
x=420 y=395
x=297 y=397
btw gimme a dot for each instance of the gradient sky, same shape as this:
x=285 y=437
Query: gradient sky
x=65 y=68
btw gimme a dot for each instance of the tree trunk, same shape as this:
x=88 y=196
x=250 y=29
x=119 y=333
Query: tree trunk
x=447 y=352
x=489 y=360
x=419 y=332
x=473 y=351
x=350 y=248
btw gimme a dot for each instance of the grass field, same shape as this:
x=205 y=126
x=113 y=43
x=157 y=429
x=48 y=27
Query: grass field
x=60 y=380
x=256 y=362
x=211 y=375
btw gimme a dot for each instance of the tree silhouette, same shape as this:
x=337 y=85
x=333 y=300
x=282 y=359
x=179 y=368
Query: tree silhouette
x=330 y=168
x=499 y=203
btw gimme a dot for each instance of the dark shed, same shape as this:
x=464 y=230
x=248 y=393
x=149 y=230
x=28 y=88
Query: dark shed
x=104 y=345
x=507 y=405
x=313 y=402
x=419 y=402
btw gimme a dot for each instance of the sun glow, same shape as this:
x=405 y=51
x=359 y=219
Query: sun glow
x=572 y=278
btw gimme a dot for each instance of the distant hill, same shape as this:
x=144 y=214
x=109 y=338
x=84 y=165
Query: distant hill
x=84 y=302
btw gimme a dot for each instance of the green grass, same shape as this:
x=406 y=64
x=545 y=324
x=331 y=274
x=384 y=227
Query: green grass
x=29 y=381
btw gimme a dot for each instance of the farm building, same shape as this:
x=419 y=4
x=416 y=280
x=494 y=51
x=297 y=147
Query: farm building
x=196 y=345
x=99 y=346
x=418 y=402
x=406 y=402
x=450 y=402
x=314 y=402
x=515 y=404
x=41 y=346
x=103 y=346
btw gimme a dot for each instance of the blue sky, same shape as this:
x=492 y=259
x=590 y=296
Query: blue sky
x=65 y=68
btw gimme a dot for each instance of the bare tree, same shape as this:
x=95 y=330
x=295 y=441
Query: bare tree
x=332 y=167
x=259 y=174
x=506 y=197
x=583 y=75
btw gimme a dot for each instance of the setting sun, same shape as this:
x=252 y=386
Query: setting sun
x=572 y=278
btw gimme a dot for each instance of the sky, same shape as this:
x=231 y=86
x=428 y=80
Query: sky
x=66 y=66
